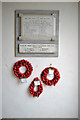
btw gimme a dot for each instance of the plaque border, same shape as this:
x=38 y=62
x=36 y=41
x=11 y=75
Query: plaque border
x=18 y=32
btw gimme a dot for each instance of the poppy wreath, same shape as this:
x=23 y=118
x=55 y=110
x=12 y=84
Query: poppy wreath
x=20 y=63
x=31 y=88
x=46 y=80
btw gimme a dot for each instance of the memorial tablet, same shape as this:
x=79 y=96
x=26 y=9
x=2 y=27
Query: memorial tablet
x=37 y=33
x=37 y=48
x=38 y=27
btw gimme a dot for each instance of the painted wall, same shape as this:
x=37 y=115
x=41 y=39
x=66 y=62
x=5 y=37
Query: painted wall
x=60 y=101
x=0 y=60
x=40 y=0
x=79 y=60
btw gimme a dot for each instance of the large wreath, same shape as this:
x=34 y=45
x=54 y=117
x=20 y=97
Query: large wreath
x=46 y=80
x=28 y=71
x=40 y=88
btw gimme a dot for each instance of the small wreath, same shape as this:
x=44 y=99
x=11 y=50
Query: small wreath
x=52 y=81
x=20 y=63
x=40 y=88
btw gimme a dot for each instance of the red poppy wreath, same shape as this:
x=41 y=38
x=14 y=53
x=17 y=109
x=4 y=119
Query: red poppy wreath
x=20 y=63
x=39 y=90
x=52 y=81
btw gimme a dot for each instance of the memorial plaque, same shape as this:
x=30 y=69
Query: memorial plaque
x=37 y=32
x=37 y=48
x=38 y=27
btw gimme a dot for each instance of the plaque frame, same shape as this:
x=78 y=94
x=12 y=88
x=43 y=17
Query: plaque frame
x=18 y=33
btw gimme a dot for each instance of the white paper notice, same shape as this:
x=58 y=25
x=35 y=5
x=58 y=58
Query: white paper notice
x=36 y=83
x=37 y=27
x=50 y=76
x=23 y=80
x=51 y=72
x=37 y=48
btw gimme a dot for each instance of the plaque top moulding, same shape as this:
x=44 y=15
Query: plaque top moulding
x=37 y=33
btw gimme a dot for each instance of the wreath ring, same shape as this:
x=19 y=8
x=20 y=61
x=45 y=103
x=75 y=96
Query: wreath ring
x=31 y=88
x=52 y=81
x=19 y=64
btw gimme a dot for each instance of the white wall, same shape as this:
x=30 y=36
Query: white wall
x=79 y=60
x=60 y=101
x=0 y=60
x=40 y=0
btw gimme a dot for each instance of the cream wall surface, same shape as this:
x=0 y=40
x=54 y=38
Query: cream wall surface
x=0 y=60
x=40 y=0
x=79 y=60
x=60 y=101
